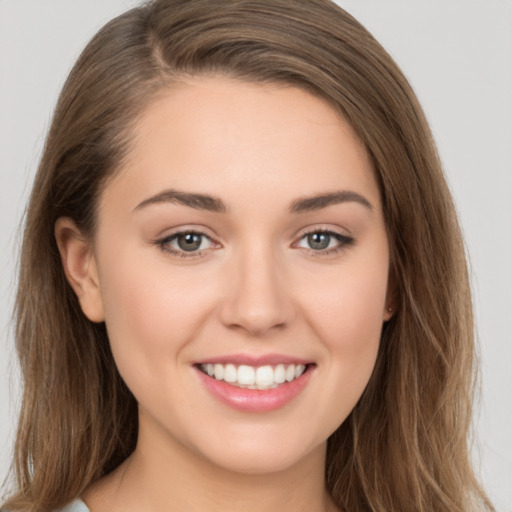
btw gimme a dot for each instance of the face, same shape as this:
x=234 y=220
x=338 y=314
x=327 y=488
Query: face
x=241 y=265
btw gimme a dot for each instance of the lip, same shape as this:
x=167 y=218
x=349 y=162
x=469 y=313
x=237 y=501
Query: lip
x=253 y=360
x=254 y=400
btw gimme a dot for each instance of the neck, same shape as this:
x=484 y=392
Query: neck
x=176 y=479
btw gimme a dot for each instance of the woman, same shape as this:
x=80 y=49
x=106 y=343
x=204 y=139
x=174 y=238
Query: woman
x=241 y=275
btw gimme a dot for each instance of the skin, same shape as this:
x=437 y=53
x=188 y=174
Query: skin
x=256 y=287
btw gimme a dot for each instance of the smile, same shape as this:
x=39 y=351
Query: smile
x=249 y=377
x=248 y=385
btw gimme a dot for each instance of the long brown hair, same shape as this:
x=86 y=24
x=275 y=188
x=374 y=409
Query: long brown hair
x=405 y=445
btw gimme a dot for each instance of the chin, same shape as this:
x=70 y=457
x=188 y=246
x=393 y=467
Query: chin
x=262 y=454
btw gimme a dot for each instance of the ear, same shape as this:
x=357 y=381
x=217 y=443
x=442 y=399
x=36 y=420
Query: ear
x=390 y=305
x=388 y=313
x=80 y=268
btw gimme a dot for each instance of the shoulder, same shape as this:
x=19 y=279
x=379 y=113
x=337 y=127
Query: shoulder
x=74 y=506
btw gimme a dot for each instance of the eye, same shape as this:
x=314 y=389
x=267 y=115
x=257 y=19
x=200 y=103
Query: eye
x=324 y=242
x=186 y=243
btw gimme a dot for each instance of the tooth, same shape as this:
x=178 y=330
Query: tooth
x=290 y=373
x=219 y=371
x=262 y=388
x=264 y=376
x=279 y=374
x=230 y=373
x=299 y=370
x=246 y=375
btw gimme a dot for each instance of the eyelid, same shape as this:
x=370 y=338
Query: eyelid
x=325 y=228
x=344 y=240
x=163 y=242
x=185 y=228
x=322 y=228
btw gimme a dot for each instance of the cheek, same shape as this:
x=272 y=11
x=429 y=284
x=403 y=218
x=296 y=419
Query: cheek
x=346 y=313
x=347 y=305
x=151 y=313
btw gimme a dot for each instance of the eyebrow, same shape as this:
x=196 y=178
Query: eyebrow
x=197 y=201
x=215 y=204
x=309 y=204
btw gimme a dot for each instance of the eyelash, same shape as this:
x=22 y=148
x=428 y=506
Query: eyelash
x=343 y=242
x=164 y=244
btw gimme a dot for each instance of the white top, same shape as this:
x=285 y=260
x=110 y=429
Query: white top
x=75 y=506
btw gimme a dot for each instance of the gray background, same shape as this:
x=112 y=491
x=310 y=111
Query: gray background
x=457 y=55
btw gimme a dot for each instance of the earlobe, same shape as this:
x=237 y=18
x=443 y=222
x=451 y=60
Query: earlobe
x=388 y=313
x=80 y=268
x=391 y=298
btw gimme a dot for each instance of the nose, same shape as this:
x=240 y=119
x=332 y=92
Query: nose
x=257 y=297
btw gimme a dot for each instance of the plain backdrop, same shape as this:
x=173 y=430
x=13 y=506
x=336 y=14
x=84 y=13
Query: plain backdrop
x=457 y=55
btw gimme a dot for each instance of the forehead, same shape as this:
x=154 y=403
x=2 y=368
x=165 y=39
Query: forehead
x=226 y=137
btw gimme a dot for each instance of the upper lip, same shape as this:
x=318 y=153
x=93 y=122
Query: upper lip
x=255 y=360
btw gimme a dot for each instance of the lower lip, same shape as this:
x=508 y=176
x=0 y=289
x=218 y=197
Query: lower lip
x=255 y=400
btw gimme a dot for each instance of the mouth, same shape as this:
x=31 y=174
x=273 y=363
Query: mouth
x=255 y=384
x=255 y=377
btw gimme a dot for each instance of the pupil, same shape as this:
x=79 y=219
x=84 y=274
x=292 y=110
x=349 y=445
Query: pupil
x=319 y=240
x=189 y=241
